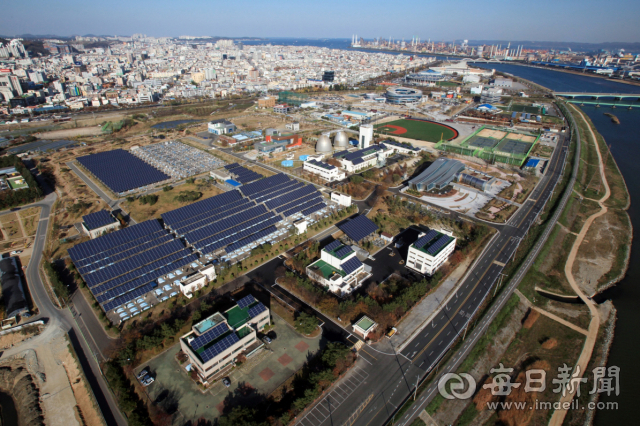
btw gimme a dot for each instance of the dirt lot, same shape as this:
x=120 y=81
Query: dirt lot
x=166 y=201
x=70 y=133
x=29 y=219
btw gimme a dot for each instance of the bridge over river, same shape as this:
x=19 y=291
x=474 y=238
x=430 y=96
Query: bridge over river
x=628 y=100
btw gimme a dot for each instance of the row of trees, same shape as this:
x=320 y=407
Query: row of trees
x=10 y=198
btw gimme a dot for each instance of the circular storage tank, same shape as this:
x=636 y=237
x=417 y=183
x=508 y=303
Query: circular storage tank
x=304 y=157
x=287 y=163
x=324 y=144
x=341 y=140
x=353 y=142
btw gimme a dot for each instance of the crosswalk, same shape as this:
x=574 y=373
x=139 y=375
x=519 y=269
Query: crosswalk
x=321 y=413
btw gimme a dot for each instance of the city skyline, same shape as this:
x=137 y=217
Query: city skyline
x=570 y=21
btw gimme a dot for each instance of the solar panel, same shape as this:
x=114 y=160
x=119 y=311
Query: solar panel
x=424 y=240
x=313 y=209
x=435 y=247
x=208 y=336
x=333 y=245
x=98 y=219
x=344 y=251
x=256 y=310
x=358 y=228
x=121 y=171
x=219 y=347
x=351 y=265
x=246 y=301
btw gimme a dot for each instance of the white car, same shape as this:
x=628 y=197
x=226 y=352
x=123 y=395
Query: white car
x=16 y=252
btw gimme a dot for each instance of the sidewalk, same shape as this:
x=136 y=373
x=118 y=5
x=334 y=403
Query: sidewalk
x=420 y=313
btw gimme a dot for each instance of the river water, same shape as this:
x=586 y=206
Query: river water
x=625 y=148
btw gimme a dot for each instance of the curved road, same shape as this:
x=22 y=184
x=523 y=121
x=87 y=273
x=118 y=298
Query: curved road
x=63 y=318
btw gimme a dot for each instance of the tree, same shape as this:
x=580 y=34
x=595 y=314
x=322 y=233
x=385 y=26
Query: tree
x=240 y=416
x=357 y=179
x=306 y=323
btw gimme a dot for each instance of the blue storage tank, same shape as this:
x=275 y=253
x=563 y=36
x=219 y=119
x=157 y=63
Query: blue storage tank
x=287 y=163
x=304 y=157
x=353 y=142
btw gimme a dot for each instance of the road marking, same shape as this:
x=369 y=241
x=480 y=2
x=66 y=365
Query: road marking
x=499 y=263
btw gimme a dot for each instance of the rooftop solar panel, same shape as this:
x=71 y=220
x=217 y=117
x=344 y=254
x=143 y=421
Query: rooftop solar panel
x=424 y=240
x=208 y=336
x=256 y=310
x=358 y=228
x=441 y=242
x=333 y=245
x=351 y=265
x=246 y=301
x=343 y=251
x=219 y=347
x=98 y=219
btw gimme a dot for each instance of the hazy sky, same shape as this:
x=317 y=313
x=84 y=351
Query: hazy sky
x=541 y=20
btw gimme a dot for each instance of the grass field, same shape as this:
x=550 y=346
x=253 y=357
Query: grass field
x=419 y=130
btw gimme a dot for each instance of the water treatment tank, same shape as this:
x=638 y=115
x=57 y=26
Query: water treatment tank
x=341 y=140
x=324 y=144
x=287 y=163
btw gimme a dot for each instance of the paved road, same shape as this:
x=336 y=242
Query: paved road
x=63 y=318
x=392 y=373
x=110 y=201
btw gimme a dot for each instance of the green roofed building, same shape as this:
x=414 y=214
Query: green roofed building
x=214 y=344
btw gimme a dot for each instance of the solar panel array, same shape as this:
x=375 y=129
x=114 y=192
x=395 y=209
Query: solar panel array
x=209 y=336
x=246 y=301
x=256 y=310
x=219 y=347
x=264 y=184
x=308 y=207
x=178 y=217
x=441 y=242
x=424 y=240
x=333 y=245
x=358 y=228
x=243 y=175
x=250 y=239
x=313 y=209
x=343 y=251
x=121 y=171
x=123 y=265
x=225 y=224
x=351 y=265
x=98 y=219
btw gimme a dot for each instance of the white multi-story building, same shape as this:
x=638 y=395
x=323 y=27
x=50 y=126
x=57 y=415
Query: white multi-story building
x=430 y=251
x=324 y=170
x=363 y=158
x=338 y=269
x=99 y=223
x=192 y=283
x=214 y=344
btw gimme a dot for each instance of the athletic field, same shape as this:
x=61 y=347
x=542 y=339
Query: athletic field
x=416 y=129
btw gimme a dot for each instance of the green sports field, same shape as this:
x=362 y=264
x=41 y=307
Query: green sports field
x=419 y=130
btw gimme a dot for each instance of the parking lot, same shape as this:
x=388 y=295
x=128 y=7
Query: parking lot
x=254 y=380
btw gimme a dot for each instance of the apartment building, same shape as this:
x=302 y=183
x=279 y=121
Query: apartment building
x=430 y=251
x=214 y=344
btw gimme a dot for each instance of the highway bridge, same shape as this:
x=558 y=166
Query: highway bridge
x=616 y=96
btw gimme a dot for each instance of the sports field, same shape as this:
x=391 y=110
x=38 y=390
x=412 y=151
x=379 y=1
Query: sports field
x=416 y=129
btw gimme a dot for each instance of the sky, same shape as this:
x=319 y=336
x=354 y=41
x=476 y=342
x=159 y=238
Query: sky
x=589 y=21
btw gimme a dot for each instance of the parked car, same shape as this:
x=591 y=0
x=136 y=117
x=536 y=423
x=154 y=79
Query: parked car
x=142 y=374
x=13 y=253
x=147 y=380
x=391 y=332
x=266 y=339
x=226 y=382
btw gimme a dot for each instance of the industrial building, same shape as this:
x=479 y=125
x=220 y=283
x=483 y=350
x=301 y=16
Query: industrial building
x=13 y=296
x=325 y=171
x=278 y=143
x=461 y=68
x=402 y=148
x=502 y=82
x=176 y=159
x=430 y=251
x=374 y=155
x=438 y=175
x=403 y=95
x=214 y=344
x=338 y=269
x=490 y=95
x=99 y=223
x=221 y=127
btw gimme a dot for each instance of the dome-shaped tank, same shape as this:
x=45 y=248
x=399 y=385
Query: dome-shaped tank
x=324 y=144
x=341 y=140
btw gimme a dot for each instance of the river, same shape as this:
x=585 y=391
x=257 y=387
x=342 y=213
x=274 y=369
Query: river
x=625 y=148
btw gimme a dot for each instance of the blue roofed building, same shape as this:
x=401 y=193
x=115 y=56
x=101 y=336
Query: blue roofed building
x=338 y=269
x=99 y=223
x=214 y=344
x=363 y=158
